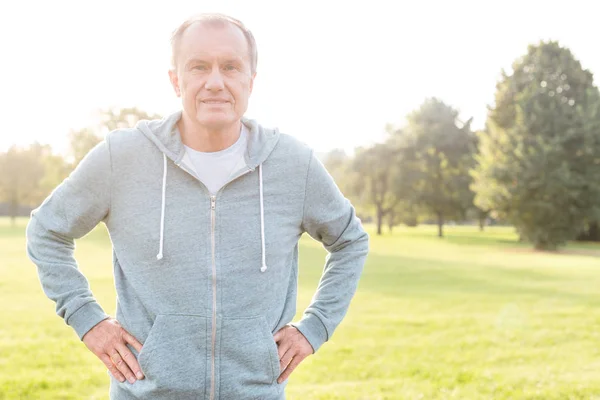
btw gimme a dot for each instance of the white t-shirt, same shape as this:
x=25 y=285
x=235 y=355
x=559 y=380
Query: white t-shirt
x=214 y=169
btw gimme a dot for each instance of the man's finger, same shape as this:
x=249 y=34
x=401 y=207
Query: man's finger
x=283 y=347
x=121 y=365
x=131 y=361
x=112 y=368
x=290 y=368
x=279 y=335
x=285 y=359
x=129 y=338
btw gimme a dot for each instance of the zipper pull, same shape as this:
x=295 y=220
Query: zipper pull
x=213 y=200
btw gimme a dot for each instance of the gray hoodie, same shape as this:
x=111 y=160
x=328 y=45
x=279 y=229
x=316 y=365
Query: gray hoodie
x=202 y=281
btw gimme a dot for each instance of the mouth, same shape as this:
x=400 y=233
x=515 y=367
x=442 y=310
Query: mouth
x=215 y=101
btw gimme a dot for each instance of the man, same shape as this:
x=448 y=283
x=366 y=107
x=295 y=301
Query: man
x=204 y=209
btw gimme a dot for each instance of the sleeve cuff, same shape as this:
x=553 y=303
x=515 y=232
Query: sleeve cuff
x=313 y=330
x=86 y=317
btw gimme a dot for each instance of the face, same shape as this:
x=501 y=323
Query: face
x=213 y=75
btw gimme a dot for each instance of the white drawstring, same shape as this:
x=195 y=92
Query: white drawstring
x=159 y=256
x=262 y=219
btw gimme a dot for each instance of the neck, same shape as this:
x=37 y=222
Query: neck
x=207 y=139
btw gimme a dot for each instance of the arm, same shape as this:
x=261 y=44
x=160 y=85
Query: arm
x=73 y=209
x=330 y=218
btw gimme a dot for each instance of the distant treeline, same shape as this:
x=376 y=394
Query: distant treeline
x=536 y=165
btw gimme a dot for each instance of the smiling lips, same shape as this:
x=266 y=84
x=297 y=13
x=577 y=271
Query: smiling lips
x=215 y=101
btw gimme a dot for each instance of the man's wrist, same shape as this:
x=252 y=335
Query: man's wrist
x=86 y=317
x=313 y=330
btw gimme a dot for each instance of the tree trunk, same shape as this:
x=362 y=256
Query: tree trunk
x=545 y=246
x=379 y=220
x=391 y=221
x=14 y=207
x=590 y=233
x=481 y=223
x=594 y=231
x=440 y=224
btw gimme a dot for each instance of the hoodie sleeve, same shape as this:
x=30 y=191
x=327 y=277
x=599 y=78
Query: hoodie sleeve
x=72 y=210
x=330 y=218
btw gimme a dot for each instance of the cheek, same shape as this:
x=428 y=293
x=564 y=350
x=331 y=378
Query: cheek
x=241 y=92
x=191 y=87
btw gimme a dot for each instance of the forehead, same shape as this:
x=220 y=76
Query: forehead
x=213 y=39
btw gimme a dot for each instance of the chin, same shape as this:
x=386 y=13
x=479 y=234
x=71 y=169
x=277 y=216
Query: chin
x=214 y=122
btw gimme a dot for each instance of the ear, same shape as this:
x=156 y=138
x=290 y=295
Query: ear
x=252 y=82
x=175 y=81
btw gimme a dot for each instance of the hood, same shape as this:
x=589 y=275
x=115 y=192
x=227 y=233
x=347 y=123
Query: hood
x=167 y=138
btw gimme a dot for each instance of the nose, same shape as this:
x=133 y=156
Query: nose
x=215 y=80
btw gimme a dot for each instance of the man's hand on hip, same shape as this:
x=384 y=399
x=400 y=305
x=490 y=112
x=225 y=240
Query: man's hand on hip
x=292 y=347
x=108 y=341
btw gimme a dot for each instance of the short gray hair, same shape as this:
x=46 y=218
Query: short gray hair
x=216 y=20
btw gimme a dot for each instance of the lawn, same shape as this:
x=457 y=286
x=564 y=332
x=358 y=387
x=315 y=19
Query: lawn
x=470 y=316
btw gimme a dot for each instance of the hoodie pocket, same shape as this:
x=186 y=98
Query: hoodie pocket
x=249 y=362
x=174 y=357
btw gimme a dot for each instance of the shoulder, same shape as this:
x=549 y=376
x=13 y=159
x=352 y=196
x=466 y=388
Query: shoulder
x=125 y=137
x=128 y=141
x=293 y=149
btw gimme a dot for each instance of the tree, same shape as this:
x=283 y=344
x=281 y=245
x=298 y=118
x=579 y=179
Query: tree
x=591 y=228
x=30 y=174
x=338 y=164
x=113 y=118
x=403 y=212
x=590 y=232
x=436 y=156
x=482 y=216
x=83 y=140
x=372 y=179
x=23 y=171
x=537 y=155
x=56 y=169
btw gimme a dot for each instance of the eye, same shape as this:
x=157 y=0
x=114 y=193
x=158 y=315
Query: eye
x=199 y=67
x=229 y=67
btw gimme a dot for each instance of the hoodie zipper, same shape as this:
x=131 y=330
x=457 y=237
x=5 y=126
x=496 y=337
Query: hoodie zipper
x=213 y=223
x=213 y=204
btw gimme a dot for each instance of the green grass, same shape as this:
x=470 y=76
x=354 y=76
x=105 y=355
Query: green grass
x=470 y=316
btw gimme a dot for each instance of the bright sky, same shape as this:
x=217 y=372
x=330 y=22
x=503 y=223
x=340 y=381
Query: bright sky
x=329 y=73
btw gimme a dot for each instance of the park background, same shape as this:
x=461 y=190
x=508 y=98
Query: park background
x=467 y=134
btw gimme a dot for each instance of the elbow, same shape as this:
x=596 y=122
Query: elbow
x=365 y=240
x=30 y=230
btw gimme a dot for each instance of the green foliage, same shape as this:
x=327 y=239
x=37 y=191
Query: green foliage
x=23 y=181
x=538 y=164
x=420 y=169
x=337 y=163
x=111 y=119
x=29 y=174
x=374 y=176
x=83 y=140
x=436 y=153
x=56 y=169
